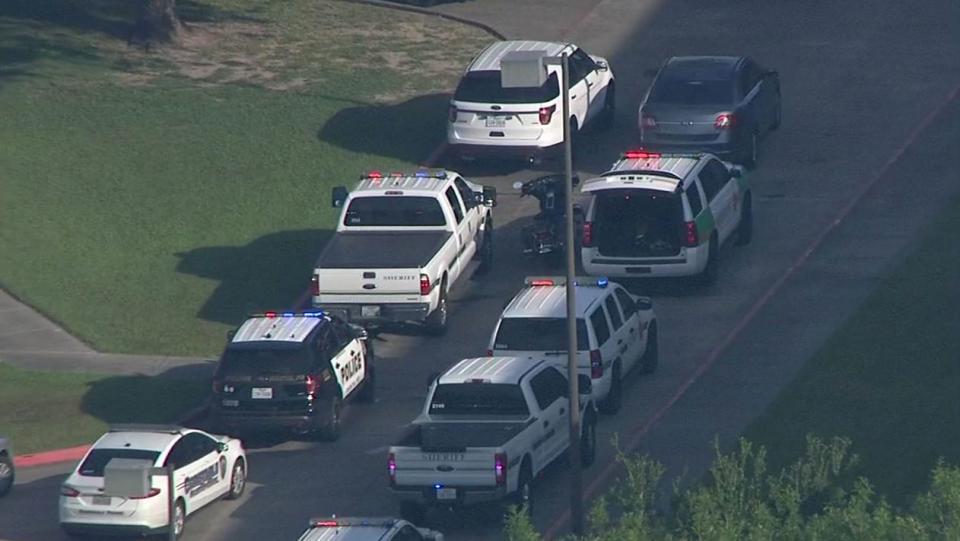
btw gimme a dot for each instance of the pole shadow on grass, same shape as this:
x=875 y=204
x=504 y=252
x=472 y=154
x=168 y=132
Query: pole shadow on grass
x=268 y=273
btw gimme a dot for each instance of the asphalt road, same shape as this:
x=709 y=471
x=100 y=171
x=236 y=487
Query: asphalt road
x=863 y=160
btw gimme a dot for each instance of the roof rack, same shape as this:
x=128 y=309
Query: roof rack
x=144 y=427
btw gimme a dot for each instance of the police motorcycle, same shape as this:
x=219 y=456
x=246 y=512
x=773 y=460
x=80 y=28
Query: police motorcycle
x=545 y=238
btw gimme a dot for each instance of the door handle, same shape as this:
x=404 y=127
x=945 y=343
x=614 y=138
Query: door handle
x=631 y=330
x=546 y=424
x=589 y=84
x=573 y=96
x=562 y=411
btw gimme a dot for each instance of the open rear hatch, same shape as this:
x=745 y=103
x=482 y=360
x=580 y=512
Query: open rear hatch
x=637 y=223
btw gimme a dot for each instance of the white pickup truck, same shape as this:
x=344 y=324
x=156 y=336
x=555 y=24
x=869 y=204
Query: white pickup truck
x=401 y=243
x=488 y=428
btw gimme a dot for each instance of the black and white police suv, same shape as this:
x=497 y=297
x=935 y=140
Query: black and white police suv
x=616 y=331
x=293 y=371
x=207 y=467
x=366 y=529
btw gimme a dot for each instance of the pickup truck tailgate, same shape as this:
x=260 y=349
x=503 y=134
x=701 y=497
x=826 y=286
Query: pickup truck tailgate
x=470 y=467
x=370 y=285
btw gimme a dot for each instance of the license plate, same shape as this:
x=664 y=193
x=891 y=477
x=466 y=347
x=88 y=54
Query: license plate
x=496 y=121
x=446 y=493
x=231 y=403
x=101 y=500
x=262 y=392
x=370 y=311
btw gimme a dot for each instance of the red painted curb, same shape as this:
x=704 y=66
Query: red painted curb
x=50 y=457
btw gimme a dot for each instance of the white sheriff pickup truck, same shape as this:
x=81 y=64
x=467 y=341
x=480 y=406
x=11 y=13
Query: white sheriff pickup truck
x=488 y=428
x=401 y=243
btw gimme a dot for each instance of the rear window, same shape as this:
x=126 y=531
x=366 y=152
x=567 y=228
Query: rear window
x=394 y=211
x=692 y=92
x=97 y=460
x=265 y=362
x=484 y=87
x=538 y=334
x=478 y=399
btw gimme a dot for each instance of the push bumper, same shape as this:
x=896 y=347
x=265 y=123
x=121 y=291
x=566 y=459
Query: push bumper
x=378 y=313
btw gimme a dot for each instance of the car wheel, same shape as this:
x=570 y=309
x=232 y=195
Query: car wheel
x=238 y=480
x=751 y=153
x=437 y=320
x=710 y=271
x=413 y=512
x=651 y=356
x=588 y=441
x=523 y=496
x=614 y=400
x=745 y=227
x=7 y=474
x=609 y=111
x=331 y=430
x=179 y=519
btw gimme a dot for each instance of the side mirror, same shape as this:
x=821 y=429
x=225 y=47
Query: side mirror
x=230 y=334
x=518 y=185
x=489 y=196
x=577 y=208
x=584 y=384
x=602 y=65
x=358 y=331
x=736 y=171
x=575 y=180
x=338 y=196
x=221 y=447
x=644 y=303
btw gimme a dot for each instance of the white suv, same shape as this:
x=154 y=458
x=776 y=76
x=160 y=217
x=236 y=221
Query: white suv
x=486 y=118
x=615 y=332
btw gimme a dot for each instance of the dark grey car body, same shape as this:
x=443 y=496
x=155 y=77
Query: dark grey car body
x=684 y=108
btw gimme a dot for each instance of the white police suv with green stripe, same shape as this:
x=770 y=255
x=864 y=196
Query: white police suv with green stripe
x=654 y=215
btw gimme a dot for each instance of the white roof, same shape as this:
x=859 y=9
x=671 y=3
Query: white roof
x=147 y=441
x=551 y=301
x=677 y=166
x=374 y=530
x=651 y=173
x=489 y=59
x=489 y=369
x=405 y=182
x=276 y=329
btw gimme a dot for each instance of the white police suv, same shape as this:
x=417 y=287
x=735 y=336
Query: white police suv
x=366 y=529
x=207 y=467
x=616 y=331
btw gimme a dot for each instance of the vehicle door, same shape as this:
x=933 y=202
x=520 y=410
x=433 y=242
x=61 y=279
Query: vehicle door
x=461 y=233
x=473 y=212
x=333 y=358
x=625 y=340
x=609 y=349
x=595 y=90
x=579 y=91
x=197 y=474
x=550 y=420
x=348 y=358
x=633 y=323
x=723 y=196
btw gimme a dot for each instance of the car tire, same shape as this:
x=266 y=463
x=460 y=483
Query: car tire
x=745 y=227
x=179 y=521
x=437 y=320
x=238 y=480
x=331 y=429
x=413 y=512
x=522 y=498
x=486 y=250
x=752 y=152
x=7 y=474
x=588 y=441
x=609 y=112
x=612 y=403
x=708 y=276
x=651 y=356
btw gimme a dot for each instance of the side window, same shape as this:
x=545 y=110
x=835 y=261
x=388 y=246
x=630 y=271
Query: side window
x=327 y=345
x=615 y=319
x=454 y=204
x=693 y=198
x=709 y=181
x=204 y=445
x=558 y=383
x=342 y=334
x=600 y=328
x=748 y=77
x=407 y=533
x=189 y=449
x=178 y=454
x=719 y=172
x=626 y=302
x=580 y=66
x=469 y=198
x=542 y=392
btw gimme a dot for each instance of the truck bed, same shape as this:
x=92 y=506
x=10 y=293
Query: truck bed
x=381 y=249
x=457 y=436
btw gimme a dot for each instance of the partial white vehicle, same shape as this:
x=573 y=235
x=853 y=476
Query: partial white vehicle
x=366 y=529
x=663 y=215
x=7 y=472
x=616 y=332
x=489 y=427
x=402 y=242
x=487 y=119
x=207 y=467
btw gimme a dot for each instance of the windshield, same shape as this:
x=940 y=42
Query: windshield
x=692 y=92
x=538 y=334
x=394 y=211
x=97 y=460
x=478 y=399
x=279 y=362
x=484 y=87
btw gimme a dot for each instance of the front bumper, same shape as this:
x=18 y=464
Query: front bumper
x=386 y=313
x=466 y=495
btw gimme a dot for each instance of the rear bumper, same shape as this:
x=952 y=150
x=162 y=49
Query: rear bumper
x=690 y=261
x=388 y=313
x=111 y=530
x=426 y=495
x=241 y=421
x=520 y=152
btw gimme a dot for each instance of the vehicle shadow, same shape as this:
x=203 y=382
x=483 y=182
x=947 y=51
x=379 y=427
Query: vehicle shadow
x=407 y=131
x=267 y=273
x=168 y=398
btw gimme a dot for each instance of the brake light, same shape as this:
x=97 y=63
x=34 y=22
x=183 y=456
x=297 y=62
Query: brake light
x=587 y=240
x=326 y=524
x=542 y=282
x=374 y=174
x=648 y=122
x=640 y=155
x=724 y=121
x=500 y=468
x=546 y=114
x=690 y=236
x=69 y=491
x=453 y=113
x=392 y=468
x=424 y=284
x=312 y=384
x=315 y=285
x=217 y=386
x=153 y=492
x=596 y=364
x=270 y=314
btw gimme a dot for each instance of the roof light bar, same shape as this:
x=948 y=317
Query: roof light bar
x=374 y=174
x=641 y=154
x=335 y=522
x=580 y=281
x=272 y=314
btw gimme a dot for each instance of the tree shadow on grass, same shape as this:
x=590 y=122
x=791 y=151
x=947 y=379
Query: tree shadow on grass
x=407 y=131
x=163 y=399
x=268 y=273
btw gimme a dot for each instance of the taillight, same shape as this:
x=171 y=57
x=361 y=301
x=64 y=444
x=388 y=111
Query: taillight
x=313 y=385
x=648 y=122
x=500 y=468
x=153 y=492
x=392 y=468
x=217 y=386
x=69 y=491
x=453 y=113
x=424 y=284
x=690 y=237
x=546 y=114
x=724 y=121
x=315 y=285
x=596 y=364
x=587 y=240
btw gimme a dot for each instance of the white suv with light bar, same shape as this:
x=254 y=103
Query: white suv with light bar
x=659 y=215
x=208 y=468
x=366 y=529
x=486 y=118
x=616 y=331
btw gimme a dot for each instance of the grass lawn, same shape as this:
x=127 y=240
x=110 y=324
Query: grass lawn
x=50 y=410
x=149 y=199
x=889 y=379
